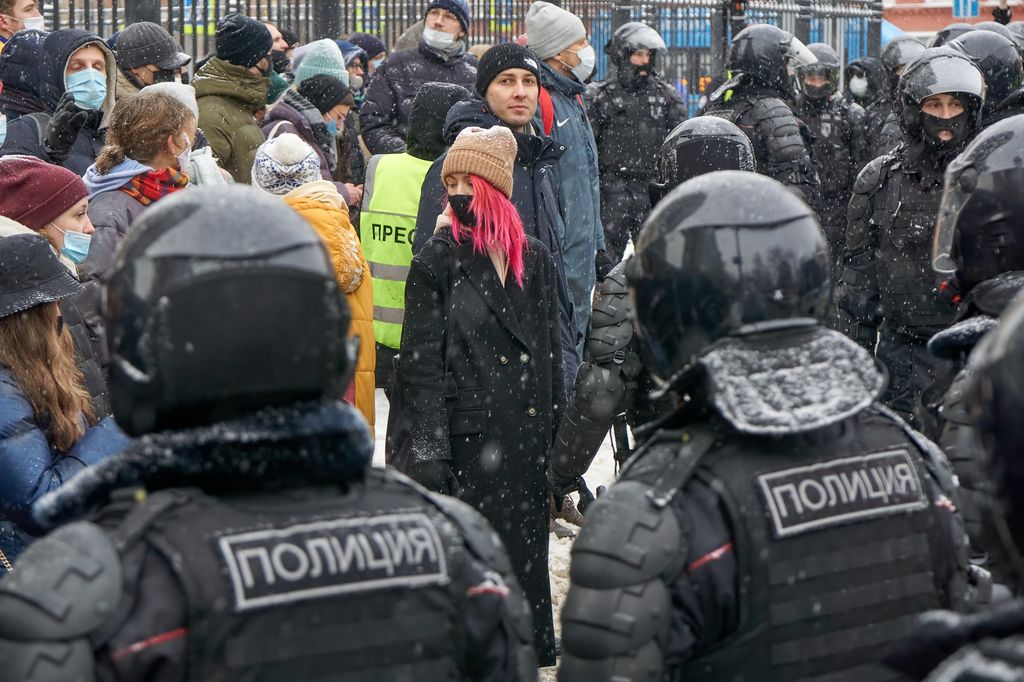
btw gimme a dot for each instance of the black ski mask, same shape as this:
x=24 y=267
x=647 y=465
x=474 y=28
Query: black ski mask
x=933 y=125
x=460 y=207
x=279 y=60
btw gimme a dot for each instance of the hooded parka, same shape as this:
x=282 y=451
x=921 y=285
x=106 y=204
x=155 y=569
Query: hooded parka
x=26 y=134
x=478 y=392
x=228 y=97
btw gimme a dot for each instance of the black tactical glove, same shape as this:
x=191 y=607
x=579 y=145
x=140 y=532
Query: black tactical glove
x=603 y=264
x=436 y=475
x=560 y=486
x=63 y=128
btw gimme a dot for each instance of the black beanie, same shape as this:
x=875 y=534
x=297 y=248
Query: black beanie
x=500 y=57
x=325 y=92
x=242 y=41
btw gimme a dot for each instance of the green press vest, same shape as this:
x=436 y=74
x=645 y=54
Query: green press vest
x=387 y=226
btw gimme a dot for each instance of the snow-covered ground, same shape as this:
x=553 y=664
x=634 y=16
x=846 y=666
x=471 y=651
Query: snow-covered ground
x=601 y=473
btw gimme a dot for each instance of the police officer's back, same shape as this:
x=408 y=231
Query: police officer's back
x=631 y=112
x=781 y=525
x=244 y=536
x=757 y=98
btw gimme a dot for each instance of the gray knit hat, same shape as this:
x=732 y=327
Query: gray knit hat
x=285 y=163
x=550 y=29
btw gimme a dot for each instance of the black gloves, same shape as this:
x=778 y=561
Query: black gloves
x=63 y=128
x=436 y=475
x=603 y=264
x=560 y=486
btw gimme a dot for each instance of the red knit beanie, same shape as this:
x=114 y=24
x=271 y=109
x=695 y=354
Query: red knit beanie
x=34 y=192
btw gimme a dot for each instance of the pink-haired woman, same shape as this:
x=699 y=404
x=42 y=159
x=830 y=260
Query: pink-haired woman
x=479 y=382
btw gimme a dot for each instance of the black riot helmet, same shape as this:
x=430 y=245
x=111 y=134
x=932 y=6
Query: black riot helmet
x=727 y=253
x=999 y=61
x=941 y=71
x=900 y=51
x=827 y=68
x=697 y=146
x=629 y=38
x=763 y=54
x=978 y=232
x=994 y=395
x=950 y=33
x=1017 y=29
x=222 y=302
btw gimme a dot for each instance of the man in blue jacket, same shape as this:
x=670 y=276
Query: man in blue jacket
x=559 y=39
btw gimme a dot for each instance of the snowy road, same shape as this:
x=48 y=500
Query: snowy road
x=601 y=473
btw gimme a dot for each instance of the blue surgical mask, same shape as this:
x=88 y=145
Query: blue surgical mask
x=76 y=245
x=3 y=129
x=375 y=64
x=332 y=127
x=88 y=87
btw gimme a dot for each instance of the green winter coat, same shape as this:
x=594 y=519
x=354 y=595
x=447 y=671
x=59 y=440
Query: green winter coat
x=228 y=96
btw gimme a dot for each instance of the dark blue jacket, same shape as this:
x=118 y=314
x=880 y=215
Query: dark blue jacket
x=25 y=134
x=20 y=74
x=30 y=466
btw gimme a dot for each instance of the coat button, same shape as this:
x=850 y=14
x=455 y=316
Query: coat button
x=532 y=411
x=524 y=358
x=503 y=360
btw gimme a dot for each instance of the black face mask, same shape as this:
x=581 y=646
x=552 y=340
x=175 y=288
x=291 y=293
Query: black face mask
x=267 y=70
x=280 y=61
x=164 y=76
x=957 y=125
x=460 y=207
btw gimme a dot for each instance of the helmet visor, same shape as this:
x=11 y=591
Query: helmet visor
x=798 y=55
x=944 y=241
x=636 y=36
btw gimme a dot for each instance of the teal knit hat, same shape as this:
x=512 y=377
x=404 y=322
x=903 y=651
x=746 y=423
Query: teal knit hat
x=321 y=58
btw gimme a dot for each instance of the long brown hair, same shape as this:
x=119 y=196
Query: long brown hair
x=43 y=363
x=139 y=126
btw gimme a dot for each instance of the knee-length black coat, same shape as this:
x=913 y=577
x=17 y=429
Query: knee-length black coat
x=479 y=391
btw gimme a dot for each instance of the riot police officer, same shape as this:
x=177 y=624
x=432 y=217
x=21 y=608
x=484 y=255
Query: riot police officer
x=839 y=148
x=613 y=384
x=244 y=534
x=867 y=85
x=780 y=525
x=997 y=58
x=979 y=250
x=895 y=57
x=950 y=33
x=888 y=288
x=631 y=113
x=755 y=100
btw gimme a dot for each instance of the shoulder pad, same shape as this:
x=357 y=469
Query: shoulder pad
x=65 y=587
x=626 y=540
x=771 y=107
x=870 y=178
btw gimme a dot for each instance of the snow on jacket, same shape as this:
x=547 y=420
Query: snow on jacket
x=228 y=97
x=30 y=466
x=384 y=115
x=331 y=222
x=578 y=188
x=25 y=134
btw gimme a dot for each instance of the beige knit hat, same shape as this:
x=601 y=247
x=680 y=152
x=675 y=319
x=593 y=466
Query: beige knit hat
x=486 y=152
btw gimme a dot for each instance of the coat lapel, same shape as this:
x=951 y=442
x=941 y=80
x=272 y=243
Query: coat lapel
x=480 y=272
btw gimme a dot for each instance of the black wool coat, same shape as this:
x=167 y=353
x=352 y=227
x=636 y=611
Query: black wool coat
x=479 y=392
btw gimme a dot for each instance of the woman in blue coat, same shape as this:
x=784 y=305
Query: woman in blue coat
x=47 y=429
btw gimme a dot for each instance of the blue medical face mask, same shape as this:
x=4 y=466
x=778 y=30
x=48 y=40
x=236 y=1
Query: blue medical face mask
x=88 y=87
x=332 y=127
x=76 y=245
x=375 y=64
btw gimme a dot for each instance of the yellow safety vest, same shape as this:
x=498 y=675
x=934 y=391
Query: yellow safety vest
x=387 y=225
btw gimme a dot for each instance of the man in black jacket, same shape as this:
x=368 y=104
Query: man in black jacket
x=441 y=56
x=244 y=534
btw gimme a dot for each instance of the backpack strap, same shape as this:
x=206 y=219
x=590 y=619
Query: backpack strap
x=273 y=131
x=547 y=110
x=41 y=120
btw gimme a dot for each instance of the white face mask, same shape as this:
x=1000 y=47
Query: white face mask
x=859 y=86
x=439 y=40
x=588 y=58
x=355 y=82
x=183 y=157
x=34 y=23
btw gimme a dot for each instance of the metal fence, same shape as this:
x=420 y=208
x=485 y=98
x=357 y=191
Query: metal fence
x=696 y=31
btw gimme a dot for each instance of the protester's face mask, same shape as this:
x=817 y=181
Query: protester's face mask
x=166 y=76
x=375 y=64
x=76 y=245
x=460 y=207
x=280 y=61
x=355 y=82
x=859 y=86
x=34 y=23
x=3 y=129
x=88 y=87
x=588 y=58
x=183 y=157
x=332 y=127
x=439 y=40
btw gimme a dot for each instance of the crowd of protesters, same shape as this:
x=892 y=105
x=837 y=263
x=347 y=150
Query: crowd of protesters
x=463 y=201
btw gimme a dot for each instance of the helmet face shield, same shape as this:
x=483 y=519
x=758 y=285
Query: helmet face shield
x=797 y=54
x=636 y=36
x=817 y=81
x=943 y=243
